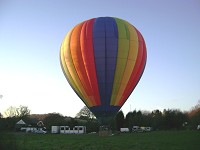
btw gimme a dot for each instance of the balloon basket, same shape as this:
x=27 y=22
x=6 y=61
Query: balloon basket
x=105 y=131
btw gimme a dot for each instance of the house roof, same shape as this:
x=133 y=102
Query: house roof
x=21 y=122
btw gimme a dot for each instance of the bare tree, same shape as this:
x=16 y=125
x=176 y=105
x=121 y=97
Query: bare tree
x=1 y=96
x=1 y=116
x=11 y=112
x=21 y=111
x=85 y=113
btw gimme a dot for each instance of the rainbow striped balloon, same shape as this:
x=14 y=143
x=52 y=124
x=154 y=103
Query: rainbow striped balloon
x=103 y=59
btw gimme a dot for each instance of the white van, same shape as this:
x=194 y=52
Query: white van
x=79 y=129
x=137 y=129
x=198 y=127
x=124 y=130
x=65 y=130
x=148 y=129
x=55 y=129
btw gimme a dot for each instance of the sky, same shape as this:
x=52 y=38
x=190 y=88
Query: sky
x=31 y=33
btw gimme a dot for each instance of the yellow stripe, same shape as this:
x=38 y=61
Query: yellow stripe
x=65 y=69
x=123 y=48
x=70 y=71
x=132 y=55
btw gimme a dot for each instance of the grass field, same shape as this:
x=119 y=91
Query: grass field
x=156 y=140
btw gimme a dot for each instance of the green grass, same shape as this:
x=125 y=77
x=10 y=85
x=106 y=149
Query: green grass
x=156 y=140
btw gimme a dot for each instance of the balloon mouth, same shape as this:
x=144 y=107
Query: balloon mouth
x=105 y=120
x=105 y=114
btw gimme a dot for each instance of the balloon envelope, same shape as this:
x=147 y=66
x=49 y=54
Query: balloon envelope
x=103 y=59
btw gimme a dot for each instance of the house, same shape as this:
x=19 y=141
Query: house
x=32 y=127
x=19 y=125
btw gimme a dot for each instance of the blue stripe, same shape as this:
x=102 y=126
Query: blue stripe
x=111 y=55
x=105 y=43
x=99 y=56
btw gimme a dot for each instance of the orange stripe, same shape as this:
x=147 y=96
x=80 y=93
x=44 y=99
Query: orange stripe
x=69 y=69
x=76 y=54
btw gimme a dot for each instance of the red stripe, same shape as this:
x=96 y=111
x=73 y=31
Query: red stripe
x=88 y=58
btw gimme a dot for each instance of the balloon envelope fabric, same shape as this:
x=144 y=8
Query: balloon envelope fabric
x=103 y=59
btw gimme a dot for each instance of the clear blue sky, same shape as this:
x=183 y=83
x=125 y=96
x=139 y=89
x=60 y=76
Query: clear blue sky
x=31 y=33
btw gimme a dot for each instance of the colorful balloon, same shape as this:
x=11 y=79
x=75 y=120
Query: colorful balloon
x=103 y=59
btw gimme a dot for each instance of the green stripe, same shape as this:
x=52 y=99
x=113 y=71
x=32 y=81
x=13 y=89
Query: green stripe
x=122 y=56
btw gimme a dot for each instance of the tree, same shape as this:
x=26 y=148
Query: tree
x=85 y=113
x=194 y=110
x=194 y=115
x=129 y=120
x=54 y=119
x=11 y=112
x=119 y=120
x=174 y=119
x=146 y=119
x=21 y=111
x=157 y=119
x=137 y=118
x=1 y=116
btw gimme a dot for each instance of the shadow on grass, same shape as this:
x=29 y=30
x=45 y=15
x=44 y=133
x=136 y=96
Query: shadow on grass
x=8 y=141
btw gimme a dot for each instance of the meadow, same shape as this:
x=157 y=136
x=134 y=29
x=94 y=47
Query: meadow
x=155 y=140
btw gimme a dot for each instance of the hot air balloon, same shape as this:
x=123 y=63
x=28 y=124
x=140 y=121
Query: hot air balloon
x=103 y=59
